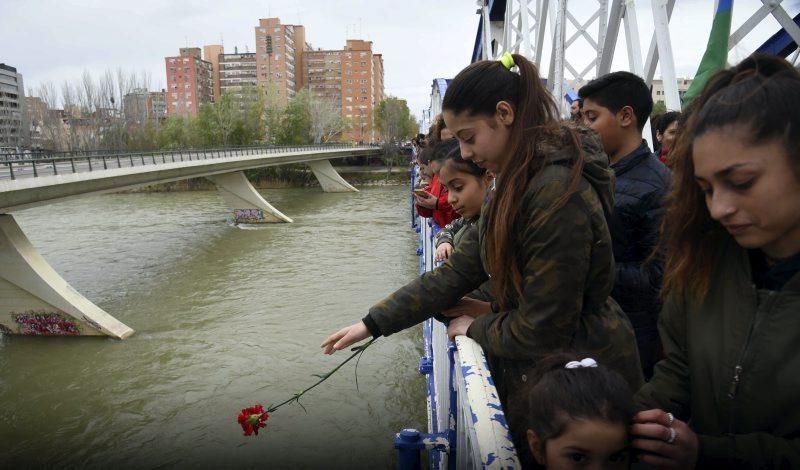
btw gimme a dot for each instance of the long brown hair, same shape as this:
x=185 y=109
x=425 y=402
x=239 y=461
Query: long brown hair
x=762 y=95
x=476 y=90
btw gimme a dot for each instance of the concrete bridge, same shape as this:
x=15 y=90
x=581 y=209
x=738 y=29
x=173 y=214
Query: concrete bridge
x=36 y=300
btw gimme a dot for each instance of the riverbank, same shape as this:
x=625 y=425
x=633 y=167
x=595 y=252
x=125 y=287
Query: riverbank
x=295 y=178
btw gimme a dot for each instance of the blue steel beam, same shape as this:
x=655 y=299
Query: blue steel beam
x=780 y=43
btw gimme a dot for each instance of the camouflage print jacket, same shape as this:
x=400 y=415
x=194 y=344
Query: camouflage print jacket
x=453 y=231
x=568 y=274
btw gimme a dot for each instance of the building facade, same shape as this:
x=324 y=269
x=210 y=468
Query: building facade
x=657 y=89
x=141 y=106
x=12 y=109
x=189 y=82
x=322 y=70
x=238 y=73
x=279 y=59
x=358 y=77
x=211 y=55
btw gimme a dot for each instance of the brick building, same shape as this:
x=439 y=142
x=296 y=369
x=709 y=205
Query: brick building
x=211 y=55
x=279 y=59
x=189 y=82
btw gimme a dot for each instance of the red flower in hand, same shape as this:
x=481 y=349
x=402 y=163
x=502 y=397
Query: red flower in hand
x=253 y=418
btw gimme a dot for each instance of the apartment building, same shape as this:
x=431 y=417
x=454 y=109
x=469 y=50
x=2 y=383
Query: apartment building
x=141 y=106
x=189 y=82
x=237 y=73
x=657 y=89
x=322 y=70
x=211 y=55
x=279 y=59
x=12 y=109
x=357 y=89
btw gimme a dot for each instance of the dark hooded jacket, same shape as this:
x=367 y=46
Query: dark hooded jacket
x=641 y=184
x=568 y=273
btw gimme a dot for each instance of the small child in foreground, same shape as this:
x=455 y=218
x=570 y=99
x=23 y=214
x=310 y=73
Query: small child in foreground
x=578 y=415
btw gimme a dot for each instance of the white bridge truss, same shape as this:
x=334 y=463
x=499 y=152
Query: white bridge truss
x=531 y=27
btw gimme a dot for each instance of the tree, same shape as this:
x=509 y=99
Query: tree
x=294 y=122
x=325 y=119
x=394 y=120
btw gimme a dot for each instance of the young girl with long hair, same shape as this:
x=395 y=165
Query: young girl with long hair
x=726 y=395
x=543 y=237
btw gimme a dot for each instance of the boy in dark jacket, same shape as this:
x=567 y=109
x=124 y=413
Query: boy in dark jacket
x=616 y=106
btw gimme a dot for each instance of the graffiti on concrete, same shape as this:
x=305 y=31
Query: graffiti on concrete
x=91 y=323
x=248 y=216
x=43 y=323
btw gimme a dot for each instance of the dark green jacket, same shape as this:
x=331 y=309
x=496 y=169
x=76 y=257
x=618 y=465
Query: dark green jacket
x=733 y=368
x=568 y=275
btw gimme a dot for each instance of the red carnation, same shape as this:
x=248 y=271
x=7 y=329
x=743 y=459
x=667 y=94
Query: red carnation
x=253 y=418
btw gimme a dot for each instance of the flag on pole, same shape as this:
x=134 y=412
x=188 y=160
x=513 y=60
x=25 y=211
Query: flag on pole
x=716 y=56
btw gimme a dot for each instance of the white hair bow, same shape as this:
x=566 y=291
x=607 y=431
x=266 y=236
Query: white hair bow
x=588 y=362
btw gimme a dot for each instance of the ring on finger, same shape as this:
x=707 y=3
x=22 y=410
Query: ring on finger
x=673 y=434
x=670 y=419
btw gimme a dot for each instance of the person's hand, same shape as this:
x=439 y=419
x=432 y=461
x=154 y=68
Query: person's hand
x=467 y=306
x=427 y=201
x=666 y=441
x=345 y=337
x=459 y=326
x=443 y=251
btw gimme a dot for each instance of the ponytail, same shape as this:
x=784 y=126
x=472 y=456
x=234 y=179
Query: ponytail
x=476 y=90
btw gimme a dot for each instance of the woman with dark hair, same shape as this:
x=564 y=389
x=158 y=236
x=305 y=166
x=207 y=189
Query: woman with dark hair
x=578 y=415
x=726 y=395
x=666 y=132
x=543 y=237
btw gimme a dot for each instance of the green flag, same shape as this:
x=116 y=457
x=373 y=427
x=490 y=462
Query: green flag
x=716 y=55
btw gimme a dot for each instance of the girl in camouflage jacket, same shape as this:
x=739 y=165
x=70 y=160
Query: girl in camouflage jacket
x=543 y=237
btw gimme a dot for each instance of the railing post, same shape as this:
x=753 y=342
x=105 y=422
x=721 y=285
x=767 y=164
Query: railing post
x=89 y=159
x=34 y=168
x=72 y=162
x=55 y=170
x=119 y=163
x=154 y=158
x=105 y=165
x=409 y=444
x=131 y=157
x=142 y=157
x=11 y=170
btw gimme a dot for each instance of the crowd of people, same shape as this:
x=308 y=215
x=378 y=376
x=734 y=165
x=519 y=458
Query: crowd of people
x=634 y=306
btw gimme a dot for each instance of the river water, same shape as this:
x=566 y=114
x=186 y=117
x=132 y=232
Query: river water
x=224 y=318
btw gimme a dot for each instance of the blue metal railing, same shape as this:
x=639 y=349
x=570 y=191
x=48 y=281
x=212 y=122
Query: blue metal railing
x=466 y=425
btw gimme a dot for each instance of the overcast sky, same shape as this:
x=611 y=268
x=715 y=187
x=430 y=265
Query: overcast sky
x=419 y=39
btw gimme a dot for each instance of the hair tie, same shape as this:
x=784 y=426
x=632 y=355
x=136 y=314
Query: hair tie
x=585 y=363
x=507 y=60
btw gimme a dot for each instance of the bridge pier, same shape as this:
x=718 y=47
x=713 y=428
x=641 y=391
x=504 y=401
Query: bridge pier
x=246 y=203
x=329 y=179
x=36 y=301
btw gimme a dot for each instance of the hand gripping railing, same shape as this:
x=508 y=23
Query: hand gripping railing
x=76 y=162
x=466 y=425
